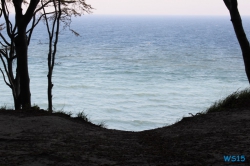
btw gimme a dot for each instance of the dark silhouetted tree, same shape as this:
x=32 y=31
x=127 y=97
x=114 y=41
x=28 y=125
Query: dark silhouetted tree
x=14 y=45
x=232 y=6
x=53 y=32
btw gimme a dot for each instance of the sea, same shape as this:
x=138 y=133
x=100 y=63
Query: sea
x=137 y=73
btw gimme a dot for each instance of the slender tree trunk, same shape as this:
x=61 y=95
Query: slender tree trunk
x=53 y=34
x=50 y=85
x=232 y=6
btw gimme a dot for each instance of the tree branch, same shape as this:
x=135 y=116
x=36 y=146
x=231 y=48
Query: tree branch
x=4 y=53
x=5 y=79
x=46 y=20
x=4 y=39
x=38 y=20
x=57 y=32
x=40 y=8
x=30 y=11
x=5 y=68
x=232 y=5
x=6 y=17
x=2 y=44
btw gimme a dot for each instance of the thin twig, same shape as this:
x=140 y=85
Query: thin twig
x=4 y=78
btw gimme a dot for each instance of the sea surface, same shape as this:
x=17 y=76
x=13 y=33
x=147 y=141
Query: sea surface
x=137 y=72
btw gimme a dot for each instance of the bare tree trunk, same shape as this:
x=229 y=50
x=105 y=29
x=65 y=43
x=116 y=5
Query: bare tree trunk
x=21 y=47
x=53 y=34
x=232 y=6
x=22 y=68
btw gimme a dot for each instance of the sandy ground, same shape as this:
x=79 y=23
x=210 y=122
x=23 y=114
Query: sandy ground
x=40 y=138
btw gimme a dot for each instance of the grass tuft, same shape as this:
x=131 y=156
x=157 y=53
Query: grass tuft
x=63 y=112
x=102 y=125
x=238 y=99
x=35 y=107
x=83 y=116
x=3 y=107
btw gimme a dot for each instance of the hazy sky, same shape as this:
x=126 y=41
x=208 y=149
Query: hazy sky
x=165 y=7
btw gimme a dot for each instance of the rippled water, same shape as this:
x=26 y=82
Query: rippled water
x=138 y=72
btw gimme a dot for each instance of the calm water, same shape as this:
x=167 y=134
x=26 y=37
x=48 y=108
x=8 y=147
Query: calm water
x=136 y=73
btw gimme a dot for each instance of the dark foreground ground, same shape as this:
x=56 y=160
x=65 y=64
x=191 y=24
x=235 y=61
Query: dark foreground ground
x=39 y=138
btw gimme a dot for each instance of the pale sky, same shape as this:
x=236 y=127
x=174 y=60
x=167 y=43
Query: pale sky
x=165 y=7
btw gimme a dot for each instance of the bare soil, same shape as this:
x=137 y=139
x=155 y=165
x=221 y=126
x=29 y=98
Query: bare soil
x=37 y=138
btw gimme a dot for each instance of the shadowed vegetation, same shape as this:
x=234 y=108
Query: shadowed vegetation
x=3 y=107
x=238 y=99
x=35 y=110
x=83 y=116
